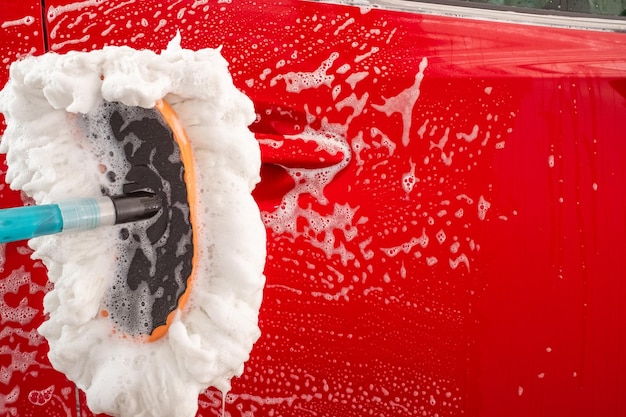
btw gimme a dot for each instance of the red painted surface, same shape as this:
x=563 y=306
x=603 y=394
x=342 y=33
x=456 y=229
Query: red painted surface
x=514 y=306
x=28 y=384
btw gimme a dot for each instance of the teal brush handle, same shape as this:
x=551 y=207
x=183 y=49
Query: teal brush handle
x=31 y=221
x=80 y=214
x=28 y=222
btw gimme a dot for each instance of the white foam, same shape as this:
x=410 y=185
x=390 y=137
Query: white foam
x=26 y=20
x=3 y=255
x=404 y=101
x=297 y=81
x=211 y=338
x=408 y=178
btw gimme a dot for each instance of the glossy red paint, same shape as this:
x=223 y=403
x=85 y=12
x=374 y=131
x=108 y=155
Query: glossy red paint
x=28 y=384
x=466 y=257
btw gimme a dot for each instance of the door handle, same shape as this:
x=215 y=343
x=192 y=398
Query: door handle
x=297 y=151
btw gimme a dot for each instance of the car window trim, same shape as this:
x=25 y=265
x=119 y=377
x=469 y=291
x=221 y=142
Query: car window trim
x=491 y=12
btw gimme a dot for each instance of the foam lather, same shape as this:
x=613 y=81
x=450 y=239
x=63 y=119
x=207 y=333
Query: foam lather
x=53 y=154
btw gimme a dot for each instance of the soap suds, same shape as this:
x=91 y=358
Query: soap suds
x=406 y=99
x=50 y=160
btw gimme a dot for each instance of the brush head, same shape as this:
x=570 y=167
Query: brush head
x=141 y=162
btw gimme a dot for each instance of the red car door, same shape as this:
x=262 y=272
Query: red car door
x=28 y=384
x=453 y=248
